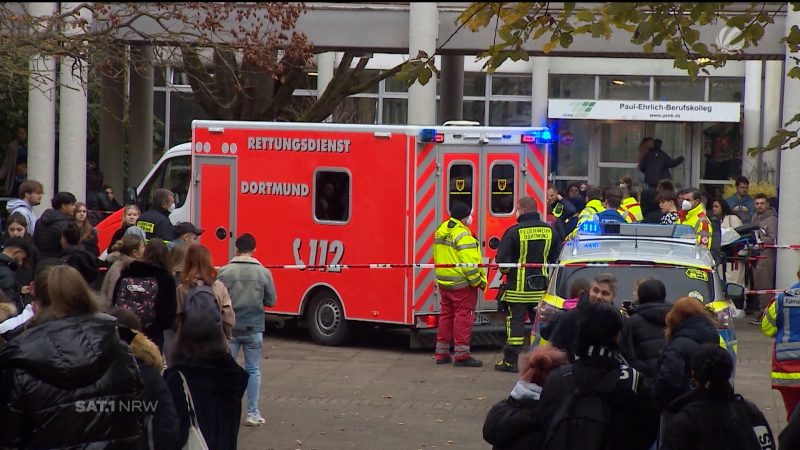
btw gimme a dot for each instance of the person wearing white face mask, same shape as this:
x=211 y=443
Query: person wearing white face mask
x=155 y=222
x=454 y=244
x=693 y=213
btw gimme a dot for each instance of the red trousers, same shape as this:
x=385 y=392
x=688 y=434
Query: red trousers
x=791 y=398
x=456 y=317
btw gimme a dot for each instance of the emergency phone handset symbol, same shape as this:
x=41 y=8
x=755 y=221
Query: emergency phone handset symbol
x=318 y=253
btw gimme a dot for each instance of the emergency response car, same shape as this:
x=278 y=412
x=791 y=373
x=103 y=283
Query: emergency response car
x=333 y=195
x=632 y=252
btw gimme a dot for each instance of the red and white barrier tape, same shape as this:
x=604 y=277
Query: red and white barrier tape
x=783 y=246
x=790 y=292
x=338 y=267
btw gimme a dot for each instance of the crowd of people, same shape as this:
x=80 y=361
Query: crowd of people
x=653 y=376
x=713 y=219
x=137 y=351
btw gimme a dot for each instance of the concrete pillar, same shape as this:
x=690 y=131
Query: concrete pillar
x=452 y=96
x=423 y=31
x=773 y=80
x=789 y=214
x=112 y=131
x=541 y=74
x=326 y=64
x=42 y=116
x=752 y=117
x=73 y=110
x=140 y=101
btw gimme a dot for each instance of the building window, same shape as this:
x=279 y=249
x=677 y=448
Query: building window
x=514 y=114
x=392 y=85
x=475 y=110
x=395 y=111
x=460 y=185
x=332 y=196
x=679 y=89
x=183 y=109
x=726 y=90
x=501 y=199
x=624 y=88
x=572 y=86
x=722 y=151
x=474 y=84
x=572 y=151
x=512 y=84
x=357 y=110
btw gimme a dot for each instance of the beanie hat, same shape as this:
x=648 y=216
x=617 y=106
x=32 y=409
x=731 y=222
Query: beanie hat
x=460 y=211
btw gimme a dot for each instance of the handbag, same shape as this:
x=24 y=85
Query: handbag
x=195 y=440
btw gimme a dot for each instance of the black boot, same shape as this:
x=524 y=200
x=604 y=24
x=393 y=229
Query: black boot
x=509 y=362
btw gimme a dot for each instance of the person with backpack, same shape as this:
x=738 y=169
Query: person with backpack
x=514 y=423
x=76 y=255
x=689 y=325
x=124 y=252
x=198 y=271
x=713 y=417
x=598 y=402
x=648 y=322
x=251 y=289
x=206 y=382
x=161 y=422
x=147 y=288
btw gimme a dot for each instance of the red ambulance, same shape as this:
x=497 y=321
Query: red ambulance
x=332 y=194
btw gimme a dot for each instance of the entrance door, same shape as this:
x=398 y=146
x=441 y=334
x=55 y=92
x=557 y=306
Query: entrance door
x=215 y=200
x=487 y=180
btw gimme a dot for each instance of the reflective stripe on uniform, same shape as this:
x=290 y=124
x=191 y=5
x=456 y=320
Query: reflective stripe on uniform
x=523 y=296
x=466 y=246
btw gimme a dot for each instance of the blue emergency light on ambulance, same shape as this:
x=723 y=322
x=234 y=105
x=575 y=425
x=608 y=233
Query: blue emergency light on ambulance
x=538 y=136
x=430 y=135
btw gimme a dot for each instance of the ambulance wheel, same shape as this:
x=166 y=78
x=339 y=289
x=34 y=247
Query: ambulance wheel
x=326 y=320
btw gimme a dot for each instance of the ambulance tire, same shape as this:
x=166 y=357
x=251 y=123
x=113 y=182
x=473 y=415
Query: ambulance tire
x=326 y=320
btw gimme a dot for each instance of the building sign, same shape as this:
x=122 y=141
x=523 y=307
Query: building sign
x=657 y=111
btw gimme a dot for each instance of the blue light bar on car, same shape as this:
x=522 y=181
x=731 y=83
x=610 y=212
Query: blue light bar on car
x=590 y=227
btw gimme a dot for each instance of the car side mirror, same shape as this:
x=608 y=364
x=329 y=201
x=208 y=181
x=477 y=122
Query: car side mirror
x=130 y=196
x=735 y=292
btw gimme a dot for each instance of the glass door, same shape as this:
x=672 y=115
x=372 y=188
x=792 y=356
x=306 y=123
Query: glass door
x=618 y=151
x=677 y=140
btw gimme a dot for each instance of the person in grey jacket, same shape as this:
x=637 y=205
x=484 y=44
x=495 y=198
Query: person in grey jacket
x=251 y=289
x=764 y=272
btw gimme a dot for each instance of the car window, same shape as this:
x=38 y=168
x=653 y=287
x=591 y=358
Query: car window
x=679 y=281
x=174 y=174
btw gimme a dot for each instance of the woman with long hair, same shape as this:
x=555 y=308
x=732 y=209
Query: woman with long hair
x=689 y=325
x=147 y=287
x=68 y=361
x=198 y=269
x=201 y=364
x=130 y=215
x=734 y=270
x=123 y=252
x=16 y=226
x=88 y=232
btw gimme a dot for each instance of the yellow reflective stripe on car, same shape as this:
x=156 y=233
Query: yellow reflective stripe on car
x=665 y=263
x=786 y=376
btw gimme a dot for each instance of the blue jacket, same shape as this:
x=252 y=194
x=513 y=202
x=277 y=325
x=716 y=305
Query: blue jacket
x=610 y=215
x=251 y=288
x=734 y=201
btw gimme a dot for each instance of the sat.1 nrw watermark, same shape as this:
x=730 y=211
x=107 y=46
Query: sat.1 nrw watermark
x=115 y=406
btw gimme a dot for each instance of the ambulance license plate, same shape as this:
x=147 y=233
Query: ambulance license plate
x=481 y=319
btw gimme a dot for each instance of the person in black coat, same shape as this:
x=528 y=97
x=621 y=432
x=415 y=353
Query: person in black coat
x=76 y=255
x=155 y=222
x=789 y=438
x=16 y=227
x=161 y=425
x=153 y=264
x=563 y=332
x=53 y=222
x=15 y=252
x=656 y=163
x=648 y=322
x=215 y=380
x=515 y=423
x=689 y=325
x=651 y=213
x=67 y=365
x=634 y=422
x=712 y=417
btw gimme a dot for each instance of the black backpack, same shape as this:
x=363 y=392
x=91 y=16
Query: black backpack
x=751 y=417
x=582 y=420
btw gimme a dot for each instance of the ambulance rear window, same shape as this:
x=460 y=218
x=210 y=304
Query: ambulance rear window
x=460 y=189
x=332 y=196
x=501 y=200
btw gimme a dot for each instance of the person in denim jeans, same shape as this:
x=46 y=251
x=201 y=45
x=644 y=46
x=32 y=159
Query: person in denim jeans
x=251 y=289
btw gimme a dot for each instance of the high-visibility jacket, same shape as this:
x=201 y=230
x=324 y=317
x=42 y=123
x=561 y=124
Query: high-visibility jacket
x=782 y=321
x=632 y=206
x=592 y=207
x=627 y=215
x=529 y=241
x=454 y=244
x=697 y=219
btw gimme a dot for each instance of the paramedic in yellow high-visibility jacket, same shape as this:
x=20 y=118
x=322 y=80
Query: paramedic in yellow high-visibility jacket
x=458 y=286
x=782 y=321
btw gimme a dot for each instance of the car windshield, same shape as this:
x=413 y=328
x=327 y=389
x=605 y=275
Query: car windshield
x=679 y=281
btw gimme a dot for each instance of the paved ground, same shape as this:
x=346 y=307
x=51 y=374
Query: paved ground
x=376 y=393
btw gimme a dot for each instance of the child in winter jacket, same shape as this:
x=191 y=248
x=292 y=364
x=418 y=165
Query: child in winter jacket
x=514 y=423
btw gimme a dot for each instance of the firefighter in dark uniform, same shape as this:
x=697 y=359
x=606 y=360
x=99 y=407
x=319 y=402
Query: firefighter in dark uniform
x=530 y=241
